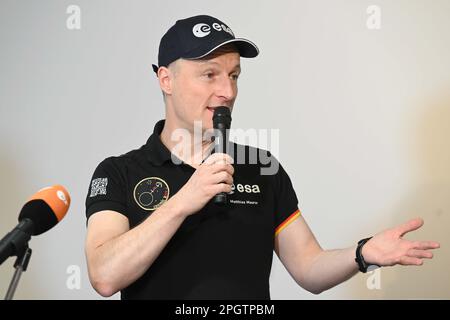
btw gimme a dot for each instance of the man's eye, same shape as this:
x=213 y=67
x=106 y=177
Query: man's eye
x=209 y=75
x=235 y=76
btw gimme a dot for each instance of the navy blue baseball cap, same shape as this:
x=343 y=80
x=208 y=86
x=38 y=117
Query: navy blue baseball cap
x=196 y=37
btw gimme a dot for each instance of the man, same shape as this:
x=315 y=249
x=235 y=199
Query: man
x=153 y=231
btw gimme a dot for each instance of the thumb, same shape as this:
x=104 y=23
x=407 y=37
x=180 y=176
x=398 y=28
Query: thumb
x=409 y=226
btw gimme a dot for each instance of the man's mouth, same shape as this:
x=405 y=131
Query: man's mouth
x=211 y=109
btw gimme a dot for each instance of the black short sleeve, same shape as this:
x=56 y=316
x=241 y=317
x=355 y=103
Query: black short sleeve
x=286 y=202
x=107 y=190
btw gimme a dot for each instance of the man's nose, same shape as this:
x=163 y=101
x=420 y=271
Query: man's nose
x=226 y=89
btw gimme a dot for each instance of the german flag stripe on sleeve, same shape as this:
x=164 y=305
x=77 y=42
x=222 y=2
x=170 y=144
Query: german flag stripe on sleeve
x=288 y=220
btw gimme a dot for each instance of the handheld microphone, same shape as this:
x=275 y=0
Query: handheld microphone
x=39 y=214
x=221 y=123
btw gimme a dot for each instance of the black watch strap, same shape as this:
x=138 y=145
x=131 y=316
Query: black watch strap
x=362 y=264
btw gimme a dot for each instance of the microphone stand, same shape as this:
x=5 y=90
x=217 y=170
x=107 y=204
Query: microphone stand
x=21 y=265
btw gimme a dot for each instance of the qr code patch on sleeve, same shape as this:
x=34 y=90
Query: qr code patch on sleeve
x=98 y=186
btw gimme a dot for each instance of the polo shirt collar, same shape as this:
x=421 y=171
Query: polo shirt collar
x=158 y=153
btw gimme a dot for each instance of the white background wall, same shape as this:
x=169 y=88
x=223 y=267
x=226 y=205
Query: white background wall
x=363 y=116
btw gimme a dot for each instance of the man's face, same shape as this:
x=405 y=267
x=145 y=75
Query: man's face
x=201 y=85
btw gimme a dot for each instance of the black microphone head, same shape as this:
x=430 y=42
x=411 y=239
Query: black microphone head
x=46 y=208
x=40 y=213
x=222 y=115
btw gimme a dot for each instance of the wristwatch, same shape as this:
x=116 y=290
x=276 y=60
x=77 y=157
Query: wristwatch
x=362 y=264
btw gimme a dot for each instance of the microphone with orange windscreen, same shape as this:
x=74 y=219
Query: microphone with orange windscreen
x=39 y=214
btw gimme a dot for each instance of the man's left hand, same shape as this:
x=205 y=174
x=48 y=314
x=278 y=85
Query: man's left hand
x=388 y=247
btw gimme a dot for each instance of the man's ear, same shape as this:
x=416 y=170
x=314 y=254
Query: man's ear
x=165 y=79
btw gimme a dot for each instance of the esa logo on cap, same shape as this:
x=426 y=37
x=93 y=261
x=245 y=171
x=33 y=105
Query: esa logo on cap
x=201 y=30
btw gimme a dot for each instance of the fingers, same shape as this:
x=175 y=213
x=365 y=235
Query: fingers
x=410 y=261
x=222 y=176
x=219 y=158
x=216 y=168
x=426 y=245
x=409 y=226
x=418 y=252
x=220 y=172
x=222 y=187
x=414 y=253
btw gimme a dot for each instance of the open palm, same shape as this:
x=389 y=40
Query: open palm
x=388 y=247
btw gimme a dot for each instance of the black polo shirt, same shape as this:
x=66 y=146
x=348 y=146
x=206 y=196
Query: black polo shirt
x=218 y=253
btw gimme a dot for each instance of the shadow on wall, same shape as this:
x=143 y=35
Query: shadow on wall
x=13 y=197
x=429 y=198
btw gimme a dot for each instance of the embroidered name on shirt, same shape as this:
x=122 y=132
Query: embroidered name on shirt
x=240 y=188
x=98 y=186
x=243 y=202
